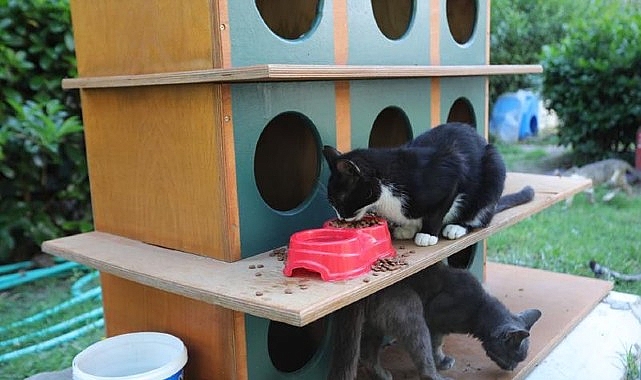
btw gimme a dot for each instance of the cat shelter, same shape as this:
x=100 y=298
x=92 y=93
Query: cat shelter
x=204 y=124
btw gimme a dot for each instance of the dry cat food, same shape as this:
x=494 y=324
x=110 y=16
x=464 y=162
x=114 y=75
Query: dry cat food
x=388 y=264
x=363 y=223
x=279 y=253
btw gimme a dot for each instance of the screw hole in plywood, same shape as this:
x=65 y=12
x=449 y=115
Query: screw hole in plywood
x=393 y=17
x=462 y=111
x=286 y=161
x=391 y=128
x=288 y=19
x=290 y=348
x=462 y=16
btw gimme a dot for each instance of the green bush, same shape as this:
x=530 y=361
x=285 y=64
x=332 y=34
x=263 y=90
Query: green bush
x=36 y=51
x=518 y=31
x=593 y=82
x=44 y=191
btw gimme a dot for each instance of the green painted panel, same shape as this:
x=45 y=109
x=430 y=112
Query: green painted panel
x=259 y=362
x=472 y=52
x=369 y=46
x=252 y=42
x=470 y=88
x=369 y=98
x=254 y=106
x=477 y=262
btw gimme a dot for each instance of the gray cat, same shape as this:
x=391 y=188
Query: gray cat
x=419 y=311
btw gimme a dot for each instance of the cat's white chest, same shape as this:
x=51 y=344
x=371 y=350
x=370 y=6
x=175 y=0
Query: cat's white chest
x=391 y=207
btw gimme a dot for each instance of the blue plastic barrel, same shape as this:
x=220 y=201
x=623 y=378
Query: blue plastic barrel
x=515 y=116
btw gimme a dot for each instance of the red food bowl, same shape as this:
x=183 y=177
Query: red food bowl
x=339 y=252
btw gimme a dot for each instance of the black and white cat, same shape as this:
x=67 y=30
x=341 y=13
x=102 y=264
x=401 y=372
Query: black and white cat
x=419 y=311
x=448 y=179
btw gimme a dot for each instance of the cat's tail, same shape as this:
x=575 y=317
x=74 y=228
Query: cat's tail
x=525 y=195
x=604 y=272
x=347 y=327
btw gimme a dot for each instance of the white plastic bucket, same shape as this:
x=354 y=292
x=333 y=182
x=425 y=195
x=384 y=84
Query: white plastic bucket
x=134 y=356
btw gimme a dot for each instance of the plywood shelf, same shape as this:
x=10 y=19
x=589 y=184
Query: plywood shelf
x=257 y=286
x=287 y=72
x=565 y=300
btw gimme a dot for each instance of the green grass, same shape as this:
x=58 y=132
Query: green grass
x=25 y=300
x=632 y=363
x=564 y=239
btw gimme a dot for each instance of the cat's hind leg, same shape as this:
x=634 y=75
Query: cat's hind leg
x=347 y=328
x=371 y=347
x=401 y=315
x=442 y=361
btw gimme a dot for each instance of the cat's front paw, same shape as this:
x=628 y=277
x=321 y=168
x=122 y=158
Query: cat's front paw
x=454 y=231
x=425 y=240
x=445 y=363
x=404 y=232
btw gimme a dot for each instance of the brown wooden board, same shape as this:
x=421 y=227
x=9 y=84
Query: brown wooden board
x=564 y=300
x=291 y=72
x=256 y=285
x=161 y=167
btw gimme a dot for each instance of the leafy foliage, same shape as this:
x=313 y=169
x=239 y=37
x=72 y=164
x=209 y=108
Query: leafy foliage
x=592 y=80
x=518 y=31
x=44 y=192
x=36 y=51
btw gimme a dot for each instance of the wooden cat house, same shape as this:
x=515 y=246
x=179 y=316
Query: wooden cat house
x=204 y=124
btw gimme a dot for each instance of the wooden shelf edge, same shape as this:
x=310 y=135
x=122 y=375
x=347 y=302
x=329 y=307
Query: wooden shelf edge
x=285 y=72
x=257 y=285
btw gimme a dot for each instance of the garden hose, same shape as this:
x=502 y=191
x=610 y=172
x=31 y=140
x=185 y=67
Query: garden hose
x=9 y=280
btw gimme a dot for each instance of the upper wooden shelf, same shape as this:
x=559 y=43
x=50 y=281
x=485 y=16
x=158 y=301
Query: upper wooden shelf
x=285 y=72
x=257 y=285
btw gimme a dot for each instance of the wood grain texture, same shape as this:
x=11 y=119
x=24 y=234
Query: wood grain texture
x=214 y=336
x=265 y=295
x=435 y=30
x=221 y=42
x=341 y=40
x=343 y=117
x=157 y=167
x=435 y=102
x=140 y=36
x=290 y=72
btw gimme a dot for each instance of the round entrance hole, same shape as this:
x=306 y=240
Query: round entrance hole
x=461 y=19
x=462 y=111
x=290 y=348
x=393 y=17
x=288 y=19
x=286 y=164
x=391 y=128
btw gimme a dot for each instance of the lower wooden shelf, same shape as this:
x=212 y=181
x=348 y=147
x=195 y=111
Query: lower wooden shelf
x=257 y=285
x=563 y=299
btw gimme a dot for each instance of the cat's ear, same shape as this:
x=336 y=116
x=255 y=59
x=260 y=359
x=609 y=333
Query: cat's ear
x=331 y=155
x=347 y=167
x=529 y=317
